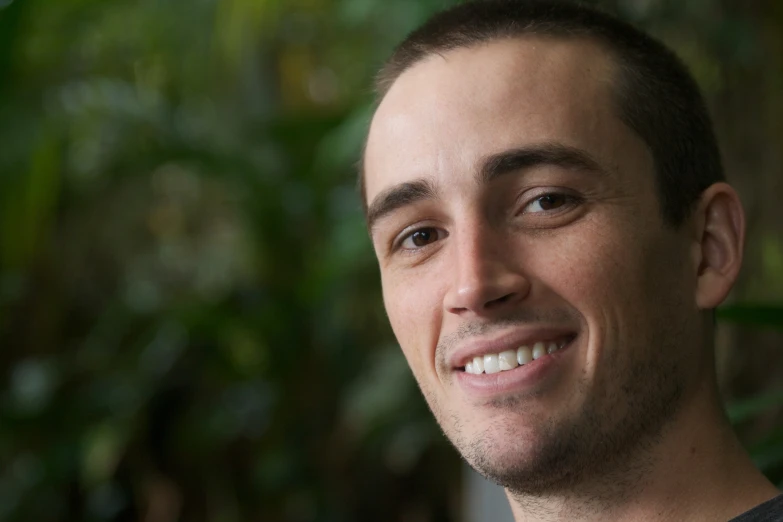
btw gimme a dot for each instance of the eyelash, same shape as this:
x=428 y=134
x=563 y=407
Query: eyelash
x=403 y=238
x=569 y=201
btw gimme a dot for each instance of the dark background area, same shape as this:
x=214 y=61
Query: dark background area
x=190 y=314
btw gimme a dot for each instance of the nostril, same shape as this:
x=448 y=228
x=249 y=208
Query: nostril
x=500 y=300
x=487 y=293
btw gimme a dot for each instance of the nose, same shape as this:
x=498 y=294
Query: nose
x=488 y=276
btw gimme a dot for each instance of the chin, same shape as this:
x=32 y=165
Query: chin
x=529 y=466
x=500 y=450
x=525 y=454
x=518 y=467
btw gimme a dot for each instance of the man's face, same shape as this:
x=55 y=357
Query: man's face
x=512 y=211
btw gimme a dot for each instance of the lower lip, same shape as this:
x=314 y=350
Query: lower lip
x=520 y=378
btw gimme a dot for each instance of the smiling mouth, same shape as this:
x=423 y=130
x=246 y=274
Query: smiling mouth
x=509 y=359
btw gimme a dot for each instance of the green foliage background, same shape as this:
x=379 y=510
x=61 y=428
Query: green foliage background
x=190 y=314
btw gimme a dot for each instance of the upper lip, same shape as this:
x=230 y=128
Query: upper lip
x=475 y=347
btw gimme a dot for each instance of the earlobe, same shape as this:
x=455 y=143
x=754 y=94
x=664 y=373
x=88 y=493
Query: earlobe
x=721 y=237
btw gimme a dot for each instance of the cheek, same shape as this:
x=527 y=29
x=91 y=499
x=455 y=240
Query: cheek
x=628 y=282
x=606 y=273
x=583 y=266
x=413 y=304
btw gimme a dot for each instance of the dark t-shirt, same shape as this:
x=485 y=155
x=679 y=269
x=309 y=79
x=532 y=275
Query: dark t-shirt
x=769 y=511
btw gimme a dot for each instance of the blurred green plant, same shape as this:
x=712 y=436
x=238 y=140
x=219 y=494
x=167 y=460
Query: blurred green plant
x=188 y=300
x=767 y=451
x=189 y=306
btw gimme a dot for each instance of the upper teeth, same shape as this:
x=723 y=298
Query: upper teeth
x=510 y=359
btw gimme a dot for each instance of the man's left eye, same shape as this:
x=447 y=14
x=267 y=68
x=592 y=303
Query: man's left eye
x=546 y=202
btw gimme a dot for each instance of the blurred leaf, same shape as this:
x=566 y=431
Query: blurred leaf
x=768 y=454
x=757 y=315
x=27 y=212
x=743 y=410
x=102 y=449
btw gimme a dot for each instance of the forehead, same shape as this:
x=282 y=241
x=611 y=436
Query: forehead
x=447 y=112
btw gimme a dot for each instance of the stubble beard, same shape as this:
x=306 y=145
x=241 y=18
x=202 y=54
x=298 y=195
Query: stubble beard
x=598 y=448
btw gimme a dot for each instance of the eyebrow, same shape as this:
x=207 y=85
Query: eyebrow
x=399 y=196
x=492 y=167
x=556 y=154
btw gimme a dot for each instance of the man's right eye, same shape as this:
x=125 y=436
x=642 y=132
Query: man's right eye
x=420 y=238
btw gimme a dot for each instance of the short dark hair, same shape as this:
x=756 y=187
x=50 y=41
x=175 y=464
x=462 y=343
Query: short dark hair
x=654 y=92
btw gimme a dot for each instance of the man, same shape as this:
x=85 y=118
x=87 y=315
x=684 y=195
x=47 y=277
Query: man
x=545 y=197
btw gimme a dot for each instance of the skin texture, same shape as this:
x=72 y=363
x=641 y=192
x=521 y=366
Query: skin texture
x=581 y=250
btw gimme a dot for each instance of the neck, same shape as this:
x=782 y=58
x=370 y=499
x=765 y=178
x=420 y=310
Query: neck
x=697 y=470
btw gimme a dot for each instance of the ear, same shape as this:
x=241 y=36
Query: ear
x=720 y=239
